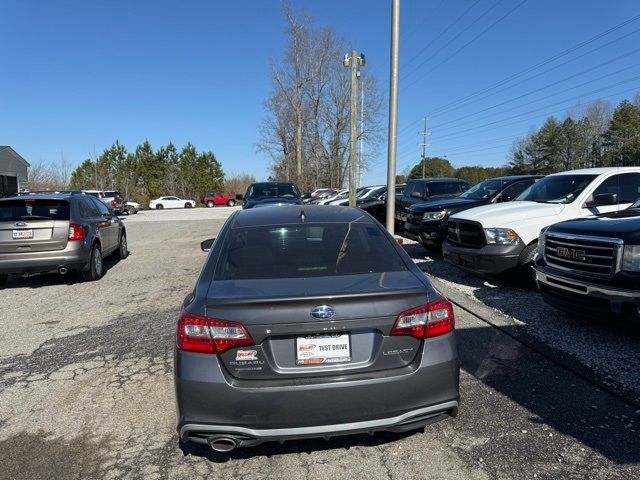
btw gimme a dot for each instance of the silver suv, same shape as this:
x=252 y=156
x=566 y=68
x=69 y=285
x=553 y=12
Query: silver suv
x=58 y=232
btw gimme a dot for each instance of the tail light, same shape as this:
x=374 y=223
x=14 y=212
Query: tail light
x=426 y=321
x=114 y=203
x=76 y=232
x=197 y=333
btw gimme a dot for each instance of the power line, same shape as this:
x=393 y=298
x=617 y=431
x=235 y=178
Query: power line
x=455 y=37
x=548 y=86
x=542 y=63
x=544 y=72
x=551 y=59
x=551 y=113
x=572 y=99
x=445 y=60
x=449 y=27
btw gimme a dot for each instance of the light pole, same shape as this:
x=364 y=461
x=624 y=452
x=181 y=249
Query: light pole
x=353 y=61
x=393 y=115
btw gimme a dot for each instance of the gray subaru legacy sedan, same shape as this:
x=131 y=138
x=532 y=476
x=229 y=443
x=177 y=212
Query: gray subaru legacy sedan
x=311 y=321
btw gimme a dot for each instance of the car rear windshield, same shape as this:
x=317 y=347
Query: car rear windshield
x=267 y=190
x=33 y=209
x=557 y=189
x=309 y=250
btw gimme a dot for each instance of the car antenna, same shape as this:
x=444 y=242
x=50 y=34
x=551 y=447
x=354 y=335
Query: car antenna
x=302 y=216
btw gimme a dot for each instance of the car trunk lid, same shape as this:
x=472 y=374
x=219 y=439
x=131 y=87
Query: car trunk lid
x=291 y=343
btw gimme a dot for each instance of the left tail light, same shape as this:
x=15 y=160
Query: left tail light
x=76 y=232
x=114 y=202
x=197 y=333
x=426 y=321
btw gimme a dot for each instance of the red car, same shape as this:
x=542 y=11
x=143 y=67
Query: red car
x=211 y=199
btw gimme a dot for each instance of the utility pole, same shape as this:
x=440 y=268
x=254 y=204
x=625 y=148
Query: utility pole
x=361 y=162
x=353 y=61
x=393 y=115
x=424 y=144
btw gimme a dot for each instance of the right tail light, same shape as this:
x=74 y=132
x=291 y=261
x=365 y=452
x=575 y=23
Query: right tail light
x=426 y=321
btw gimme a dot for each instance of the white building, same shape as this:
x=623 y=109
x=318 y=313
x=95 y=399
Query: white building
x=13 y=171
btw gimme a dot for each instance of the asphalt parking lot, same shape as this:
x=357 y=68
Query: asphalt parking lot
x=86 y=387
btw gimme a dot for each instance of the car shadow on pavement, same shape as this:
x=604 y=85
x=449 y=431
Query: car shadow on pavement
x=49 y=279
x=559 y=401
x=270 y=449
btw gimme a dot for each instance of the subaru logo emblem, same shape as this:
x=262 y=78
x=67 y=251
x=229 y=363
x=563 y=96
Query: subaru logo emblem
x=323 y=311
x=20 y=224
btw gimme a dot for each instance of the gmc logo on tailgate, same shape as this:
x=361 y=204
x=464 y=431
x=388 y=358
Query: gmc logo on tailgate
x=570 y=253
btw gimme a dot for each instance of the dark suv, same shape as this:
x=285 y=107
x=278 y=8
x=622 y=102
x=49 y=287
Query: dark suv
x=591 y=266
x=58 y=232
x=427 y=222
x=271 y=193
x=421 y=189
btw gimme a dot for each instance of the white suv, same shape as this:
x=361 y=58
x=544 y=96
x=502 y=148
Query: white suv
x=495 y=238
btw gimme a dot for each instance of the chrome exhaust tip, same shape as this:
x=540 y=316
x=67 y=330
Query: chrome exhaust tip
x=63 y=270
x=222 y=444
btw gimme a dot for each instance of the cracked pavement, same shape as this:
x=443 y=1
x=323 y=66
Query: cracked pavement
x=86 y=389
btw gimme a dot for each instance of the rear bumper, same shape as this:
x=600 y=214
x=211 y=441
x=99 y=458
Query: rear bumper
x=249 y=437
x=74 y=257
x=590 y=299
x=490 y=260
x=210 y=403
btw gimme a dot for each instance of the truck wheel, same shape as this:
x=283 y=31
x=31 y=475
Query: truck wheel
x=231 y=203
x=95 y=265
x=526 y=262
x=210 y=204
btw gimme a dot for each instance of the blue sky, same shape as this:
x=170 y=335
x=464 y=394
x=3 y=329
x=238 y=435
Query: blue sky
x=77 y=75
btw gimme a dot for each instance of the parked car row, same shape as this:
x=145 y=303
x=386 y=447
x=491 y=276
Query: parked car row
x=573 y=234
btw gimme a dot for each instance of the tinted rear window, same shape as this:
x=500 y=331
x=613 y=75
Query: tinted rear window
x=32 y=209
x=310 y=250
x=267 y=190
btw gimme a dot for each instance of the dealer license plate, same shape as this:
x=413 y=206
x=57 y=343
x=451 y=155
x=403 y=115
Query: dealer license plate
x=22 y=234
x=333 y=348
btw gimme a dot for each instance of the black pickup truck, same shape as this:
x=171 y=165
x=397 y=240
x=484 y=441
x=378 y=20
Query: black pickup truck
x=427 y=222
x=591 y=266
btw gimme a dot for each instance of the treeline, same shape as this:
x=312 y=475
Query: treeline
x=441 y=167
x=146 y=173
x=596 y=136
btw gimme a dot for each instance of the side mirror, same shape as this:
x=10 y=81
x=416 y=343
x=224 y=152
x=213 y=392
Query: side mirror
x=603 y=199
x=416 y=195
x=239 y=197
x=207 y=244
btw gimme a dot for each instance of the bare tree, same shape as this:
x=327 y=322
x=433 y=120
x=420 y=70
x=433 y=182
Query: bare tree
x=598 y=116
x=238 y=182
x=305 y=131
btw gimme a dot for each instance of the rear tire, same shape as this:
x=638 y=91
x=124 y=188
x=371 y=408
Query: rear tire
x=95 y=270
x=210 y=204
x=123 y=248
x=3 y=279
x=231 y=203
x=159 y=206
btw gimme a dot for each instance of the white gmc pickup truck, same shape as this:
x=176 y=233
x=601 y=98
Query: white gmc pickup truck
x=493 y=239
